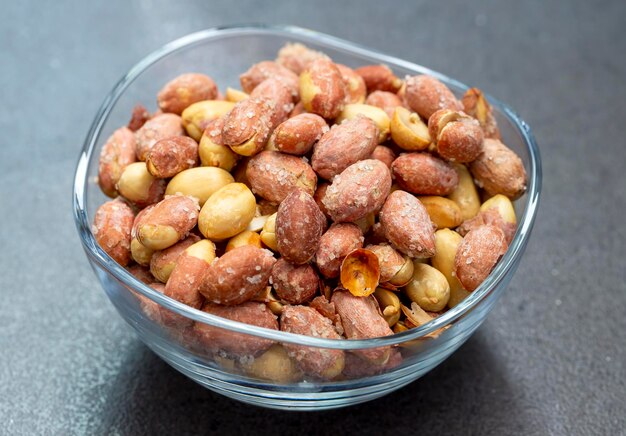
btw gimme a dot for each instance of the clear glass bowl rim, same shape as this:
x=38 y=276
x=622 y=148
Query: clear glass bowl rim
x=96 y=254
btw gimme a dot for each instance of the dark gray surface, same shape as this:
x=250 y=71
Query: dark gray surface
x=548 y=360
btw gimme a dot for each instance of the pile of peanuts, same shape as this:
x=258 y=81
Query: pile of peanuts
x=319 y=200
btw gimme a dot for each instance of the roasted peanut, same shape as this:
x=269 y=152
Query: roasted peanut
x=361 y=319
x=426 y=95
x=273 y=175
x=141 y=273
x=389 y=304
x=358 y=191
x=322 y=90
x=379 y=78
x=268 y=234
x=262 y=71
x=170 y=156
x=465 y=194
x=422 y=173
x=197 y=117
x=140 y=254
x=112 y=227
x=138 y=117
x=476 y=105
x=281 y=97
x=235 y=95
x=140 y=187
x=408 y=130
x=478 y=254
x=406 y=224
x=162 y=262
x=387 y=101
x=317 y=362
x=156 y=128
x=456 y=136
x=199 y=183
x=212 y=151
x=299 y=227
x=383 y=154
x=117 y=153
x=297 y=57
x=442 y=211
x=360 y=272
x=339 y=240
x=237 y=276
x=246 y=237
x=379 y=116
x=446 y=244
x=354 y=85
x=185 y=90
x=274 y=365
x=429 y=288
x=167 y=222
x=395 y=269
x=298 y=134
x=228 y=211
x=248 y=125
x=499 y=170
x=295 y=284
x=238 y=345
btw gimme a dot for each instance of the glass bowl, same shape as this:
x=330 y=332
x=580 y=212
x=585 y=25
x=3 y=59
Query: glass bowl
x=224 y=53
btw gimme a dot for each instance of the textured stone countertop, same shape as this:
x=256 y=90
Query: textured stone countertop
x=550 y=358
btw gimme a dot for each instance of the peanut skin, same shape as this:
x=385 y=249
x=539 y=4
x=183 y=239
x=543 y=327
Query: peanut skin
x=295 y=284
x=339 y=240
x=478 y=254
x=112 y=227
x=155 y=129
x=117 y=153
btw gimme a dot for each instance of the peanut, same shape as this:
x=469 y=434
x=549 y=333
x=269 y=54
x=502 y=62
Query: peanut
x=297 y=57
x=408 y=130
x=156 y=128
x=339 y=240
x=429 y=288
x=248 y=125
x=465 y=194
x=446 y=244
x=268 y=234
x=295 y=284
x=162 y=262
x=246 y=237
x=383 y=154
x=379 y=116
x=167 y=222
x=426 y=95
x=197 y=117
x=379 y=78
x=170 y=156
x=258 y=73
x=112 y=229
x=456 y=136
x=228 y=211
x=117 y=153
x=212 y=151
x=353 y=83
x=360 y=272
x=185 y=90
x=499 y=170
x=274 y=365
x=476 y=105
x=387 y=101
x=138 y=186
x=478 y=254
x=322 y=90
x=199 y=183
x=298 y=134
x=443 y=212
x=421 y=173
x=390 y=304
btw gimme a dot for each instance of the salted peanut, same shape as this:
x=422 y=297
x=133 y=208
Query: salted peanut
x=343 y=145
x=141 y=273
x=265 y=208
x=476 y=105
x=212 y=151
x=426 y=95
x=262 y=71
x=184 y=90
x=478 y=254
x=238 y=345
x=354 y=84
x=162 y=262
x=299 y=226
x=446 y=244
x=295 y=284
x=379 y=78
x=456 y=136
x=268 y=297
x=273 y=175
x=406 y=224
x=356 y=368
x=297 y=57
x=395 y=269
x=465 y=194
x=298 y=134
x=239 y=172
x=170 y=156
x=138 y=117
x=327 y=309
x=492 y=217
x=228 y=211
x=389 y=304
x=366 y=223
x=117 y=153
x=360 y=272
x=376 y=235
x=140 y=254
x=429 y=288
x=442 y=211
x=281 y=97
x=376 y=114
x=238 y=275
x=151 y=309
x=503 y=205
x=319 y=195
x=156 y=128
x=186 y=277
x=235 y=95
x=424 y=174
x=140 y=187
x=499 y=170
x=358 y=191
x=383 y=154
x=258 y=222
x=361 y=319
x=169 y=221
x=297 y=110
x=199 y=183
x=246 y=237
x=387 y=101
x=268 y=234
x=339 y=240
x=198 y=116
x=274 y=365
x=324 y=363
x=408 y=130
x=322 y=90
x=112 y=227
x=248 y=126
